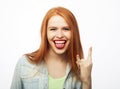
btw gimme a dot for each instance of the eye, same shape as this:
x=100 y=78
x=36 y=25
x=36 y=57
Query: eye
x=52 y=29
x=66 y=28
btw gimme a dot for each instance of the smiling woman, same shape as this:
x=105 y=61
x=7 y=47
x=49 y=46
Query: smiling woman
x=59 y=62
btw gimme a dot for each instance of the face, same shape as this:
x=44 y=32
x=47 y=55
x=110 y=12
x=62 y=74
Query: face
x=58 y=34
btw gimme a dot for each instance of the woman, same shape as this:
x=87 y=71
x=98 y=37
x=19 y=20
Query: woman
x=59 y=62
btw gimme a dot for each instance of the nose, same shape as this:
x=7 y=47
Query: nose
x=59 y=33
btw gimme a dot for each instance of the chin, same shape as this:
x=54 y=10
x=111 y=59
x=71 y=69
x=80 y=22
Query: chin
x=60 y=51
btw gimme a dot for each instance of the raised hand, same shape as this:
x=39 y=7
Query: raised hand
x=85 y=66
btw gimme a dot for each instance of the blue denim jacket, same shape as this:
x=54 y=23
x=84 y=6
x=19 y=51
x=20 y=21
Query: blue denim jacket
x=33 y=76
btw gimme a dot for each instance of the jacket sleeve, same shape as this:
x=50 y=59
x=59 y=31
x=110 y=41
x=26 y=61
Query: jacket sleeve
x=16 y=81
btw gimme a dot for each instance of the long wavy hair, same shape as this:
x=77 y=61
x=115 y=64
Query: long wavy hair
x=75 y=44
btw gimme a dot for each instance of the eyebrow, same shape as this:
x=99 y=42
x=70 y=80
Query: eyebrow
x=52 y=27
x=56 y=27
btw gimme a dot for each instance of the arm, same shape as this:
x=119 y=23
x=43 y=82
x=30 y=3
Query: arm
x=85 y=67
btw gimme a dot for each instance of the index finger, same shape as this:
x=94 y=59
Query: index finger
x=89 y=54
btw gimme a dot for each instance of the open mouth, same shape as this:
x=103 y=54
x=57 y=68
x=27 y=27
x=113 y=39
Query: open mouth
x=60 y=44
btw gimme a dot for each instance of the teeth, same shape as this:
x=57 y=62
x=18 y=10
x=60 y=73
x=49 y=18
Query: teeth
x=59 y=42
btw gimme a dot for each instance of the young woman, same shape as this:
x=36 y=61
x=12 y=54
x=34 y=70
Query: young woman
x=59 y=62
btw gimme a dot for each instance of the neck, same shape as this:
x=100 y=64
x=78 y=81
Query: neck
x=52 y=56
x=56 y=64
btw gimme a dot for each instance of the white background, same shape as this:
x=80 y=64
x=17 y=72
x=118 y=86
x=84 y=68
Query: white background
x=99 y=23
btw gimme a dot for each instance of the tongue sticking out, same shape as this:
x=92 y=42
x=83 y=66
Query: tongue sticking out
x=60 y=44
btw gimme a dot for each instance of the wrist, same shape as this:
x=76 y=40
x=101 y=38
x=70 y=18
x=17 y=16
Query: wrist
x=87 y=81
x=86 y=84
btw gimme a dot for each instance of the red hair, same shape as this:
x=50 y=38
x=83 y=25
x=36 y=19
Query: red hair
x=75 y=44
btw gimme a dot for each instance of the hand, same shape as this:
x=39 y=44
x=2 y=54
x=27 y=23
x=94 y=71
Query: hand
x=85 y=66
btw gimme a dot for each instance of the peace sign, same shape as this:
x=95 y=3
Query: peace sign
x=85 y=66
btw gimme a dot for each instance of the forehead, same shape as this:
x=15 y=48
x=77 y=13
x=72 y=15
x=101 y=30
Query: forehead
x=57 y=20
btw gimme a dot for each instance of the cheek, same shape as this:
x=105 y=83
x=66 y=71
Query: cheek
x=50 y=35
x=69 y=35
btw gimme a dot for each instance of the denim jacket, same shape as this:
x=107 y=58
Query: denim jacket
x=35 y=76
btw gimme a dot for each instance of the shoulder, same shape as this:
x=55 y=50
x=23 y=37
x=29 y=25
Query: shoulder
x=26 y=68
x=23 y=60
